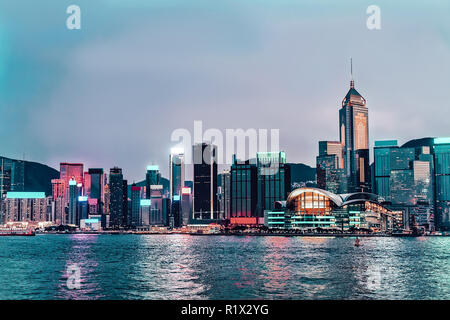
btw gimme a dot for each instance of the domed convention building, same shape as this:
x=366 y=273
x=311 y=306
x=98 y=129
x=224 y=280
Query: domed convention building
x=312 y=208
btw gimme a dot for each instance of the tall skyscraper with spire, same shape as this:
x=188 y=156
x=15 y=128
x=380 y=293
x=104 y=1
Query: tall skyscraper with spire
x=354 y=137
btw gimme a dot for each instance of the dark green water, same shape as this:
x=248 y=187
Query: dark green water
x=219 y=267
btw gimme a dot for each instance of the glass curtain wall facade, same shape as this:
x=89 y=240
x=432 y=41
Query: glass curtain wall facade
x=243 y=189
x=442 y=180
x=273 y=180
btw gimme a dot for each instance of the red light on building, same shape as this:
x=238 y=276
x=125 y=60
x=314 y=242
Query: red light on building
x=245 y=221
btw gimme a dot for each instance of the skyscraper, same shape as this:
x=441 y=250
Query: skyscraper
x=97 y=191
x=158 y=214
x=205 y=182
x=18 y=175
x=244 y=192
x=441 y=150
x=382 y=167
x=354 y=137
x=74 y=192
x=186 y=205
x=69 y=171
x=126 y=218
x=135 y=205
x=176 y=167
x=404 y=177
x=116 y=197
x=330 y=166
x=152 y=178
x=274 y=180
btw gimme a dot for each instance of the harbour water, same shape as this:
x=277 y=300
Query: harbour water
x=223 y=267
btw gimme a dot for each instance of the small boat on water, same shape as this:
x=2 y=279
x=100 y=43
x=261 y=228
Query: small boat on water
x=357 y=242
x=27 y=232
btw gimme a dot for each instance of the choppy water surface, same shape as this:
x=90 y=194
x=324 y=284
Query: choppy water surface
x=224 y=267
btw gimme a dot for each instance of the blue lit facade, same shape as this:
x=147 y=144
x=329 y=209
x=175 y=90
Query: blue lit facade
x=441 y=150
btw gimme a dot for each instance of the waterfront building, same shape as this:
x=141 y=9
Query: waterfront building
x=135 y=205
x=152 y=178
x=441 y=151
x=330 y=166
x=145 y=208
x=244 y=192
x=313 y=208
x=186 y=205
x=158 y=210
x=20 y=206
x=273 y=180
x=382 y=167
x=404 y=177
x=116 y=198
x=205 y=207
x=175 y=216
x=83 y=208
x=74 y=193
x=97 y=191
x=177 y=168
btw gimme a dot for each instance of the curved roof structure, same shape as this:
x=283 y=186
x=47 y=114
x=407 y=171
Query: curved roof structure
x=428 y=142
x=333 y=197
x=339 y=200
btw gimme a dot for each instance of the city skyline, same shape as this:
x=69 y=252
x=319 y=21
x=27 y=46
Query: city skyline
x=167 y=67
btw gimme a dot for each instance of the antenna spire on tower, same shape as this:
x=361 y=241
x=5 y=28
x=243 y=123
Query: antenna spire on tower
x=352 y=83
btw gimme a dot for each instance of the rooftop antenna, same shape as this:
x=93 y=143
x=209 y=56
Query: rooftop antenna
x=352 y=83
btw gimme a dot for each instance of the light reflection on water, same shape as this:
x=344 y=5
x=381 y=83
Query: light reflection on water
x=224 y=267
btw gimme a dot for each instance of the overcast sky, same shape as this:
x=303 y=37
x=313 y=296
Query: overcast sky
x=113 y=92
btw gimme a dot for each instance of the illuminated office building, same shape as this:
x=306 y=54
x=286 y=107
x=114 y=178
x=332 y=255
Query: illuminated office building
x=273 y=180
x=135 y=205
x=87 y=184
x=405 y=177
x=74 y=193
x=83 y=208
x=354 y=137
x=176 y=167
x=244 y=192
x=97 y=184
x=330 y=166
x=152 y=178
x=145 y=208
x=186 y=205
x=441 y=151
x=158 y=209
x=25 y=207
x=69 y=171
x=58 y=188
